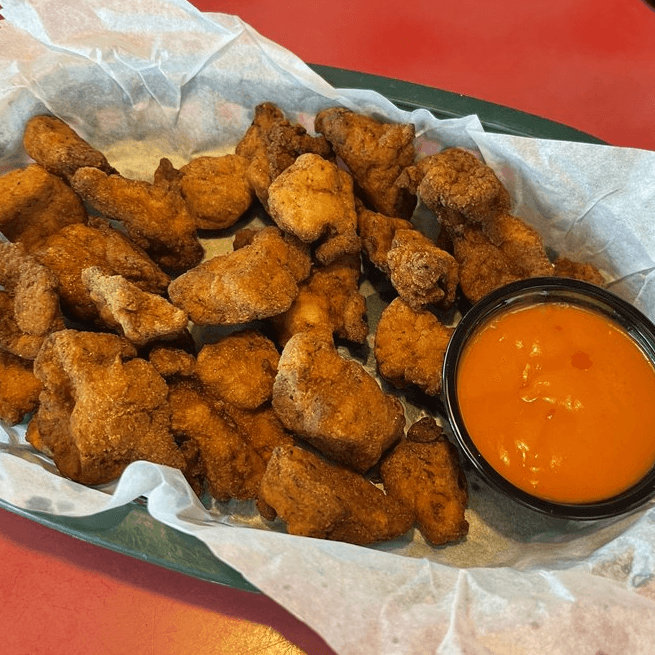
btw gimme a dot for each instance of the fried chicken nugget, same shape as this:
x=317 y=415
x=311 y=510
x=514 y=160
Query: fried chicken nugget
x=271 y=144
x=313 y=199
x=137 y=315
x=155 y=216
x=216 y=190
x=101 y=407
x=376 y=232
x=19 y=388
x=35 y=204
x=53 y=144
x=76 y=247
x=420 y=271
x=333 y=403
x=239 y=368
x=375 y=153
x=457 y=187
x=257 y=281
x=319 y=499
x=427 y=477
x=29 y=303
x=410 y=346
x=330 y=298
x=514 y=251
x=585 y=271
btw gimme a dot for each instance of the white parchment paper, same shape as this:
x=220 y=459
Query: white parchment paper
x=152 y=78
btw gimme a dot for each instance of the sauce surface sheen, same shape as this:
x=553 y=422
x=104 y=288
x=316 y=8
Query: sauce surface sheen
x=560 y=401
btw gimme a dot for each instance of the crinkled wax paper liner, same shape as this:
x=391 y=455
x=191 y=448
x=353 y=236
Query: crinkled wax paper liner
x=161 y=79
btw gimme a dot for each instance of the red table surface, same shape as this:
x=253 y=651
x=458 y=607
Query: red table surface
x=586 y=63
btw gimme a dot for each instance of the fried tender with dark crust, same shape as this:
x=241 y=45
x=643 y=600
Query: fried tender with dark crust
x=586 y=272
x=333 y=403
x=421 y=272
x=29 y=303
x=376 y=232
x=514 y=251
x=77 y=247
x=410 y=346
x=375 y=153
x=314 y=200
x=426 y=476
x=53 y=144
x=272 y=144
x=155 y=215
x=254 y=282
x=239 y=368
x=318 y=499
x=328 y=298
x=216 y=190
x=101 y=408
x=137 y=315
x=456 y=181
x=19 y=388
x=35 y=204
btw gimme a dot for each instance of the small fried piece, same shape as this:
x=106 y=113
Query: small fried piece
x=375 y=153
x=410 y=346
x=457 y=186
x=328 y=298
x=426 y=476
x=313 y=199
x=53 y=144
x=101 y=407
x=137 y=315
x=333 y=403
x=376 y=232
x=19 y=388
x=254 y=282
x=515 y=251
x=171 y=361
x=420 y=271
x=155 y=216
x=239 y=368
x=584 y=271
x=29 y=302
x=76 y=247
x=271 y=144
x=318 y=499
x=216 y=190
x=35 y=204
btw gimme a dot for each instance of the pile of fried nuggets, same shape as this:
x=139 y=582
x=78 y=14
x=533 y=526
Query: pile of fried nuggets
x=102 y=277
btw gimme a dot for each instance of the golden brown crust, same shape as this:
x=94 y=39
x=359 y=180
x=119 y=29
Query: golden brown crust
x=585 y=271
x=19 y=388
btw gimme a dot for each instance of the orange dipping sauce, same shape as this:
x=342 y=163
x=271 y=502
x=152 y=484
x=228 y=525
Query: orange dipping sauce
x=560 y=401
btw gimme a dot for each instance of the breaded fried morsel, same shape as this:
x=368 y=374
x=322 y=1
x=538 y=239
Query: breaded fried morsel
x=254 y=282
x=410 y=346
x=271 y=144
x=376 y=232
x=239 y=368
x=504 y=251
x=76 y=247
x=328 y=298
x=585 y=271
x=216 y=190
x=155 y=215
x=29 y=302
x=333 y=403
x=137 y=315
x=35 y=204
x=313 y=199
x=319 y=499
x=101 y=408
x=19 y=388
x=420 y=271
x=425 y=474
x=455 y=182
x=53 y=144
x=375 y=153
